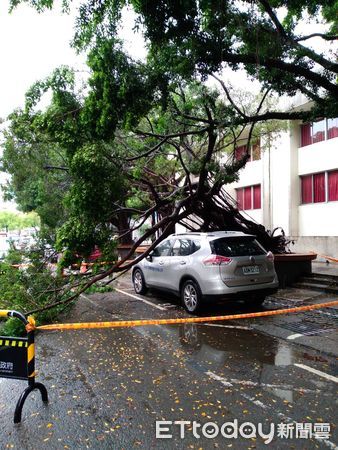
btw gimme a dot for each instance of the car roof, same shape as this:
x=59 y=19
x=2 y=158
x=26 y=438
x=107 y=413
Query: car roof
x=211 y=234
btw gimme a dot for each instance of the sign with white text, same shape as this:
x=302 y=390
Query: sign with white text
x=13 y=358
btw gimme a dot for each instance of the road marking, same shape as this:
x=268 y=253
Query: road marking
x=127 y=289
x=141 y=299
x=226 y=326
x=310 y=333
x=266 y=407
x=258 y=384
x=169 y=305
x=294 y=336
x=317 y=372
x=218 y=378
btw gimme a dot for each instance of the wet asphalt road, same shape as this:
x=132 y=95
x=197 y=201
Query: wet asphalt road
x=108 y=387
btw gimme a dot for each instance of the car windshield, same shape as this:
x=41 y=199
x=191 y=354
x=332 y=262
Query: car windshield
x=236 y=246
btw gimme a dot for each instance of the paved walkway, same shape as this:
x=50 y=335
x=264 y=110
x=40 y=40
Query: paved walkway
x=324 y=268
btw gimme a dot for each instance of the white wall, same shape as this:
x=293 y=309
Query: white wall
x=318 y=157
x=318 y=219
x=250 y=175
x=278 y=193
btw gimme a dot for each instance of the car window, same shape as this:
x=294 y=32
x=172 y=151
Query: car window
x=162 y=249
x=185 y=247
x=197 y=245
x=236 y=246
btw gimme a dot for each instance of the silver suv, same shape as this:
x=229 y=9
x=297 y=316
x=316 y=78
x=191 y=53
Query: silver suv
x=204 y=266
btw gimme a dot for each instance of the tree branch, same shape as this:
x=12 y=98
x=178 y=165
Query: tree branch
x=147 y=153
x=329 y=65
x=326 y=37
x=283 y=66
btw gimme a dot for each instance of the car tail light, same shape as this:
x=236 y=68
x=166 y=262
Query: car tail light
x=217 y=260
x=270 y=257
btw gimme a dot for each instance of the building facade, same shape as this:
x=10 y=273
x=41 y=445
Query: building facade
x=291 y=182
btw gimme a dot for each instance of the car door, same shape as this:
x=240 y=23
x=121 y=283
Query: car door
x=179 y=262
x=155 y=268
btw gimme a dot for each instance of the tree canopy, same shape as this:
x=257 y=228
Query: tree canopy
x=190 y=38
x=148 y=137
x=17 y=221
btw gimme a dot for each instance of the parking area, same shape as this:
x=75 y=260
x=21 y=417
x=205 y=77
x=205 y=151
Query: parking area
x=108 y=388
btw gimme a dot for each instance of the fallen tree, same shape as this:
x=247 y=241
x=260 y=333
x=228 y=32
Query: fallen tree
x=148 y=138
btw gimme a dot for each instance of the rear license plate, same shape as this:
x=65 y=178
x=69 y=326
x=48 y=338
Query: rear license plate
x=249 y=270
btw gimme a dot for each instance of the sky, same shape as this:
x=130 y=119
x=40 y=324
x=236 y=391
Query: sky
x=32 y=45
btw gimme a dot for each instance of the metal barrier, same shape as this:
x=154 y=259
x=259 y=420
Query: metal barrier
x=17 y=360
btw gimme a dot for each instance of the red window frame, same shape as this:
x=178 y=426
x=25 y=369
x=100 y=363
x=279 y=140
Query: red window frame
x=321 y=130
x=332 y=186
x=254 y=151
x=307 y=190
x=257 y=202
x=240 y=152
x=332 y=128
x=319 y=187
x=318 y=131
x=240 y=198
x=305 y=134
x=249 y=197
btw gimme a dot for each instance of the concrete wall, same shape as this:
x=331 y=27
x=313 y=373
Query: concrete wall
x=280 y=183
x=314 y=226
x=322 y=245
x=318 y=157
x=318 y=219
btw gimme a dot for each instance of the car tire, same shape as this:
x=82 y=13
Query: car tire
x=139 y=283
x=191 y=297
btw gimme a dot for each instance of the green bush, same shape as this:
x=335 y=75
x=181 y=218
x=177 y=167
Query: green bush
x=99 y=289
x=30 y=287
x=13 y=327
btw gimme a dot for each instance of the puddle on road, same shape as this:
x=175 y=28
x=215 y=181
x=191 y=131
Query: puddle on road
x=243 y=358
x=222 y=344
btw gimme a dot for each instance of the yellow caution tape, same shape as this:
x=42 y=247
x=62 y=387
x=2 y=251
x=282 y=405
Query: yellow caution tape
x=329 y=258
x=140 y=323
x=31 y=324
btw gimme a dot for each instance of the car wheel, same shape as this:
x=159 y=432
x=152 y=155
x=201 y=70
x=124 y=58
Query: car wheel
x=191 y=296
x=138 y=282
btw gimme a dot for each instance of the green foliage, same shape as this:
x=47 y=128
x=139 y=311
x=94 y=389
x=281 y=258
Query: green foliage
x=87 y=136
x=40 y=5
x=12 y=327
x=18 y=221
x=28 y=288
x=195 y=38
x=97 y=289
x=121 y=91
x=26 y=153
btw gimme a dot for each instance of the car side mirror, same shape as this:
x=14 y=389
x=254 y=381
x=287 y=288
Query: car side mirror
x=149 y=257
